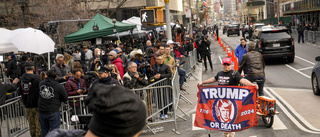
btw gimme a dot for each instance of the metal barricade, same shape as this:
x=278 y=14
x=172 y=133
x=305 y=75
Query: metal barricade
x=159 y=101
x=13 y=118
x=71 y=110
x=310 y=36
x=306 y=35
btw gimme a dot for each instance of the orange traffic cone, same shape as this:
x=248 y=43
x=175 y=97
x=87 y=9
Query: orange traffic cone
x=232 y=56
x=224 y=47
x=236 y=67
x=229 y=52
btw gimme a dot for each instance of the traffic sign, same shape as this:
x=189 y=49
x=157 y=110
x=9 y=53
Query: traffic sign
x=147 y=16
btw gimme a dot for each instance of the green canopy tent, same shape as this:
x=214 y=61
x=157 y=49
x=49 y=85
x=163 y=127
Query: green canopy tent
x=105 y=28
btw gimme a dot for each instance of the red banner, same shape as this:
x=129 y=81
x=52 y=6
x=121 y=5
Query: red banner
x=226 y=108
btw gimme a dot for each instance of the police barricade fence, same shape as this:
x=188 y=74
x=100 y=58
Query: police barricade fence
x=310 y=36
x=13 y=118
x=306 y=35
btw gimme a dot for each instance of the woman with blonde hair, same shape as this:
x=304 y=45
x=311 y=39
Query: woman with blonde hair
x=68 y=59
x=115 y=73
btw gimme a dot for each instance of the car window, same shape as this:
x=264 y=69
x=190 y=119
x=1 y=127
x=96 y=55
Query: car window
x=259 y=26
x=274 y=35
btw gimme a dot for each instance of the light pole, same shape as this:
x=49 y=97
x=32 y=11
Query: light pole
x=23 y=4
x=169 y=34
x=114 y=26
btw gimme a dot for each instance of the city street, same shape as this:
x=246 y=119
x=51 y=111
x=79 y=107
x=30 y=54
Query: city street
x=290 y=84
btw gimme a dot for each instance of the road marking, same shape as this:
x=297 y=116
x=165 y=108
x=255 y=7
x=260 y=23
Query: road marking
x=278 y=124
x=305 y=68
x=298 y=71
x=305 y=60
x=295 y=121
x=193 y=127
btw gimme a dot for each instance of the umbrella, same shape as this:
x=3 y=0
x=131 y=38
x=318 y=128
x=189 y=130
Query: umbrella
x=31 y=40
x=5 y=45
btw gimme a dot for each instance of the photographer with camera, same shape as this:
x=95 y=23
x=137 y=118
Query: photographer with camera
x=133 y=79
x=63 y=71
x=143 y=65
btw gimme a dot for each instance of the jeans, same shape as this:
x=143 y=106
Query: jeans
x=49 y=122
x=260 y=83
x=182 y=73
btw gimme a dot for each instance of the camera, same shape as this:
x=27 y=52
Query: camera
x=141 y=75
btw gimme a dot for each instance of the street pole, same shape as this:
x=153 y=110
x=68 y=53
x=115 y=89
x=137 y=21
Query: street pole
x=278 y=12
x=190 y=19
x=198 y=20
x=169 y=34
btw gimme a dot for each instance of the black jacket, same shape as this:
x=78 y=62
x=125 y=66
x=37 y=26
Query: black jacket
x=164 y=71
x=51 y=95
x=6 y=88
x=12 y=69
x=205 y=47
x=107 y=81
x=22 y=66
x=29 y=90
x=300 y=29
x=254 y=63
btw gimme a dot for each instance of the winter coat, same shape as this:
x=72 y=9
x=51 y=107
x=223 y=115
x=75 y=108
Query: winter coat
x=300 y=29
x=254 y=63
x=205 y=47
x=61 y=72
x=131 y=82
x=72 y=86
x=6 y=88
x=107 y=81
x=118 y=63
x=12 y=69
x=164 y=71
x=169 y=61
x=51 y=95
x=240 y=51
x=29 y=90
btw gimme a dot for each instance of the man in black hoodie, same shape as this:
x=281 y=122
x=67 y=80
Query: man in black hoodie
x=29 y=90
x=51 y=95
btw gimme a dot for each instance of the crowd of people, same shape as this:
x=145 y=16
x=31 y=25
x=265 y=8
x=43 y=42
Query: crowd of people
x=79 y=72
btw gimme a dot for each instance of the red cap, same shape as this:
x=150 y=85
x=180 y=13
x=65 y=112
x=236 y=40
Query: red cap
x=226 y=61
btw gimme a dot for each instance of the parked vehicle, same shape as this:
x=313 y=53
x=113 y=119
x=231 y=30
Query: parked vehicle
x=315 y=75
x=225 y=27
x=274 y=43
x=233 y=30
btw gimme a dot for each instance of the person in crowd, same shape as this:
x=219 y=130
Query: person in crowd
x=241 y=49
x=122 y=56
x=189 y=45
x=161 y=71
x=169 y=60
x=43 y=75
x=125 y=107
x=98 y=59
x=121 y=46
x=133 y=79
x=171 y=44
x=22 y=64
x=75 y=86
x=234 y=78
x=152 y=54
x=68 y=59
x=178 y=33
x=51 y=95
x=250 y=31
x=148 y=45
x=206 y=52
x=104 y=78
x=198 y=43
x=254 y=64
x=77 y=65
x=88 y=55
x=29 y=90
x=161 y=50
x=11 y=67
x=307 y=27
x=114 y=72
x=300 y=30
x=62 y=70
x=7 y=88
x=217 y=31
x=116 y=61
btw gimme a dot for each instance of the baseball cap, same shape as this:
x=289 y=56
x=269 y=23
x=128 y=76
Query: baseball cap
x=116 y=50
x=103 y=70
x=226 y=61
x=170 y=42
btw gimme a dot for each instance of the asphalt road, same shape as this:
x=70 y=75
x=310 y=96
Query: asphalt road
x=293 y=77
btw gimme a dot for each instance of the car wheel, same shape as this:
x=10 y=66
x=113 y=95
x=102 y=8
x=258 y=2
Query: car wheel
x=238 y=34
x=315 y=85
x=228 y=35
x=291 y=60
